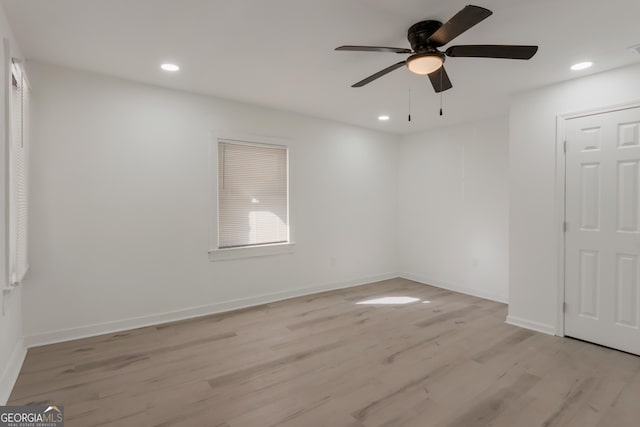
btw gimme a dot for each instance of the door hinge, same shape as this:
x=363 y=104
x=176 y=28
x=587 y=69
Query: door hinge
x=564 y=307
x=565 y=226
x=565 y=146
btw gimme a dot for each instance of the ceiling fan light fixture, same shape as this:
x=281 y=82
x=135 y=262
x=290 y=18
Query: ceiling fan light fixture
x=425 y=63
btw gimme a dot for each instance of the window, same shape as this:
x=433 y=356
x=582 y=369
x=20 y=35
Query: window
x=253 y=204
x=18 y=149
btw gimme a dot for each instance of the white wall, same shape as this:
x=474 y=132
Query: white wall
x=453 y=208
x=120 y=206
x=12 y=350
x=533 y=224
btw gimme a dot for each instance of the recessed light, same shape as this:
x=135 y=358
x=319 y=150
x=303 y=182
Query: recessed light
x=170 y=67
x=383 y=118
x=581 y=66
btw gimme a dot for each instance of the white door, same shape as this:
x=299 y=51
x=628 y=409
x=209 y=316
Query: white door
x=602 y=281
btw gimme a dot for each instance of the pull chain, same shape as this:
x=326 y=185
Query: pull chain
x=409 y=117
x=441 y=77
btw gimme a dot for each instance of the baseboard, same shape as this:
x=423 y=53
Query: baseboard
x=463 y=290
x=11 y=371
x=63 y=335
x=529 y=324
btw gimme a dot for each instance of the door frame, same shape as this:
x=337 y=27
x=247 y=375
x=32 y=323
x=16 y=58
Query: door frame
x=561 y=179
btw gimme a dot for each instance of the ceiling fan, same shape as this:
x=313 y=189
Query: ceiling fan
x=426 y=37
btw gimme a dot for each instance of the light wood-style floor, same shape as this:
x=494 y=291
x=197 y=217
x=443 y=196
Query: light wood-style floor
x=324 y=360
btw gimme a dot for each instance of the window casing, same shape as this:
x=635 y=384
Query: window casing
x=253 y=194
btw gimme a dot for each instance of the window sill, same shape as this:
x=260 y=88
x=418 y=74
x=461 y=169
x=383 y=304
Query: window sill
x=251 y=251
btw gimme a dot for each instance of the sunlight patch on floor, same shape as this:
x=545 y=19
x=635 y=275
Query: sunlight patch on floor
x=389 y=301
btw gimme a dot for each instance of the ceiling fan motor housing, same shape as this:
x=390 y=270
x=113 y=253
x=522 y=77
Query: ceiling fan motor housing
x=419 y=34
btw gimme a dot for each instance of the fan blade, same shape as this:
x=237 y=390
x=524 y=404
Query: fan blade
x=493 y=51
x=379 y=74
x=440 y=80
x=375 y=49
x=461 y=22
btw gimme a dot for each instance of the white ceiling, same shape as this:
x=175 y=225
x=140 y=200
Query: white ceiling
x=279 y=53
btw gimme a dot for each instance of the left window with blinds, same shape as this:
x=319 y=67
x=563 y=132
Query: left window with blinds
x=18 y=176
x=252 y=192
x=252 y=199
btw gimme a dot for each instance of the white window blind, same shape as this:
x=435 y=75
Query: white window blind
x=252 y=194
x=18 y=206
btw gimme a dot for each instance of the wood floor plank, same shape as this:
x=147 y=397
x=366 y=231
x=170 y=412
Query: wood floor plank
x=333 y=359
